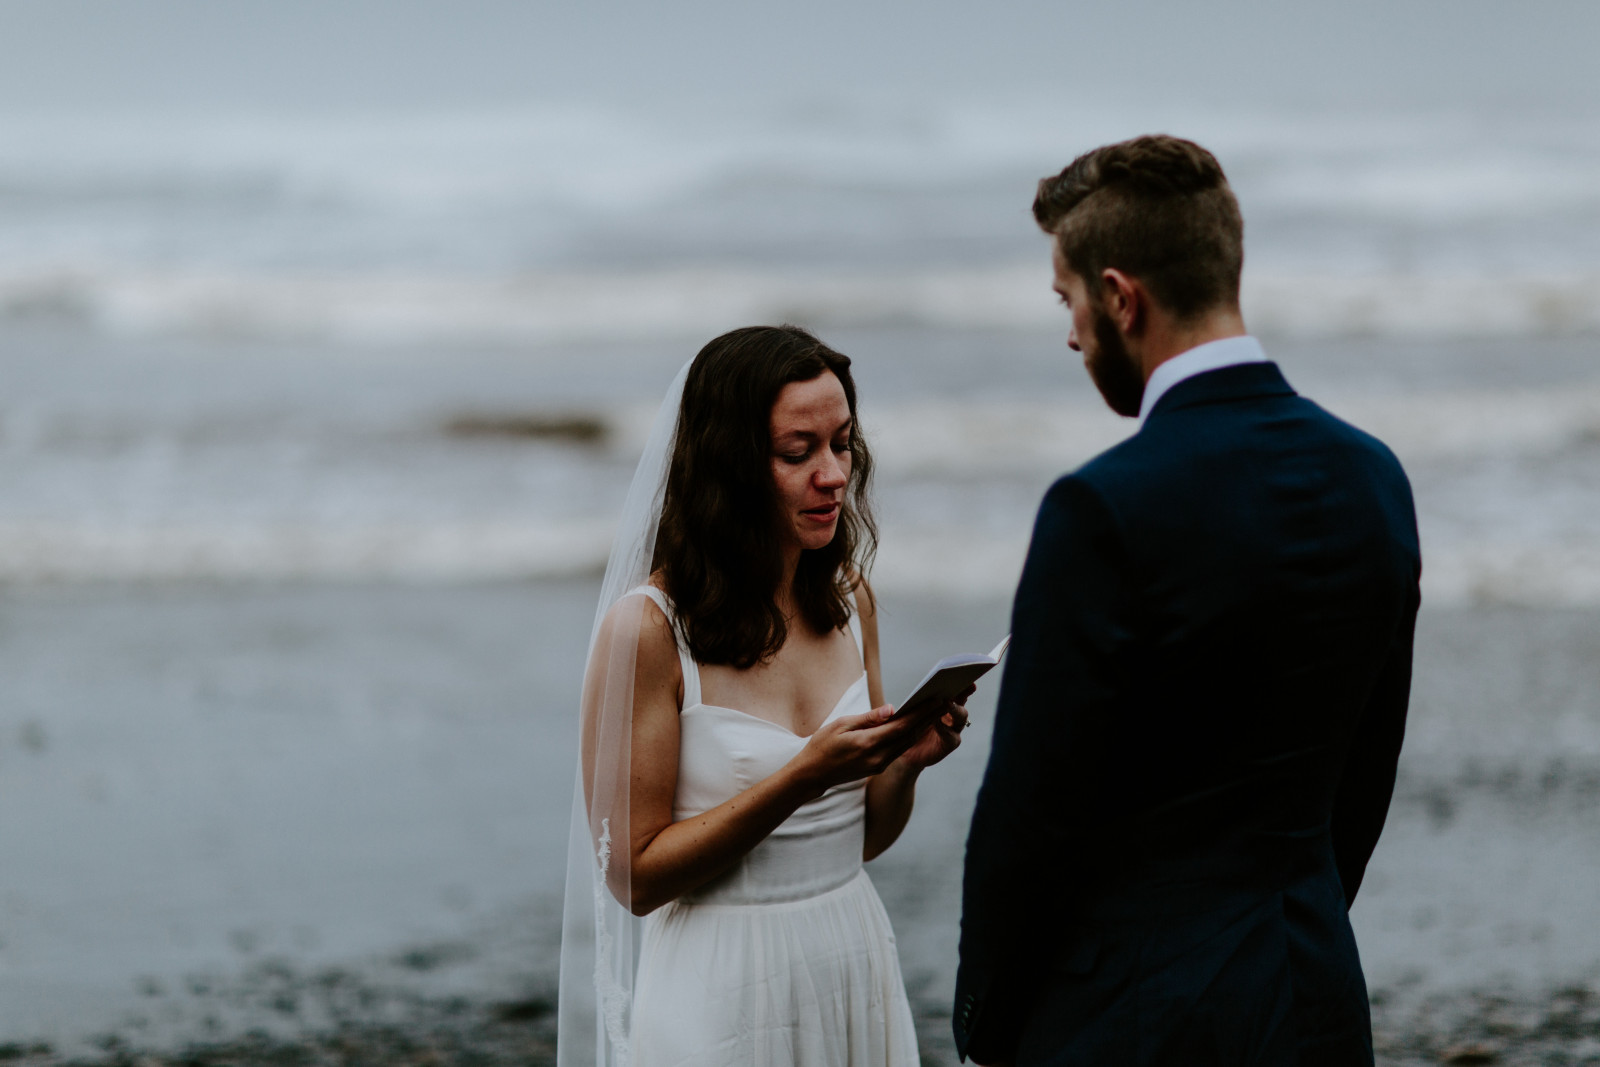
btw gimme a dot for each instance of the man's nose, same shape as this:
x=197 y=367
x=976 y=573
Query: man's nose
x=1072 y=339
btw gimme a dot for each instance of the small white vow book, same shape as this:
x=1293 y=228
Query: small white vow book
x=951 y=675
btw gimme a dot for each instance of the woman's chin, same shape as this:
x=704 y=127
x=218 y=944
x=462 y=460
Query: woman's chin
x=818 y=537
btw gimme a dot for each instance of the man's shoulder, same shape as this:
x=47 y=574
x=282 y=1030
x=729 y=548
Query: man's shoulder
x=1358 y=439
x=1191 y=453
x=1103 y=488
x=1124 y=465
x=1173 y=440
x=1326 y=431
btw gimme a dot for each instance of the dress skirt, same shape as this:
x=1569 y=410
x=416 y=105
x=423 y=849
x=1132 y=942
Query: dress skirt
x=813 y=982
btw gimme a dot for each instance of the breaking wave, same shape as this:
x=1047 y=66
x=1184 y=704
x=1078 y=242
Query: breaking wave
x=1502 y=495
x=910 y=562
x=563 y=306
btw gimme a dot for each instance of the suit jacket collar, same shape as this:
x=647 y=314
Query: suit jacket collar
x=1241 y=382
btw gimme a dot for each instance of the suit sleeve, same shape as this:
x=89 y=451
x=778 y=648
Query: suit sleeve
x=1039 y=790
x=1367 y=784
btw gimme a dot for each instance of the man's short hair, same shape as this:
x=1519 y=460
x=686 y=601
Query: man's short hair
x=1158 y=208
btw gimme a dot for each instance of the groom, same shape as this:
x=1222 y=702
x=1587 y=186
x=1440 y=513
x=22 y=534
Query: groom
x=1198 y=725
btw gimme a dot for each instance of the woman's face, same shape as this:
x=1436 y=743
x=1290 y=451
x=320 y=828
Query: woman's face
x=811 y=429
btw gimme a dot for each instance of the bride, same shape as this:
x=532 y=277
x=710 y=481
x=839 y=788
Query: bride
x=737 y=762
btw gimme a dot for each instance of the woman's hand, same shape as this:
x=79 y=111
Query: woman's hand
x=942 y=736
x=860 y=746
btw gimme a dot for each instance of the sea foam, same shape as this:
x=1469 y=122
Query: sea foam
x=554 y=307
x=1506 y=511
x=552 y=222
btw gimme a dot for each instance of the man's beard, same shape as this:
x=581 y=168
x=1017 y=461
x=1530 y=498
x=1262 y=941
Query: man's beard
x=1111 y=367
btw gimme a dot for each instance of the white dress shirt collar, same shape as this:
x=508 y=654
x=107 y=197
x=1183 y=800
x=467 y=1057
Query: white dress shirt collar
x=1213 y=355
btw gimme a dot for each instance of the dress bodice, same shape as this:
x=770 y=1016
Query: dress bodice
x=724 y=751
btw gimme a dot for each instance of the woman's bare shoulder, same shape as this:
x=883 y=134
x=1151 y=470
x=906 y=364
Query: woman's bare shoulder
x=638 y=615
x=866 y=602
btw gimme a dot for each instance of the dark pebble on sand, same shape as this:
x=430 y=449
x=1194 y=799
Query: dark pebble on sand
x=524 y=1011
x=13 y=1051
x=434 y=957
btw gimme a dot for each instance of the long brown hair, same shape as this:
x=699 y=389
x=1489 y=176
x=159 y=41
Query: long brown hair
x=718 y=551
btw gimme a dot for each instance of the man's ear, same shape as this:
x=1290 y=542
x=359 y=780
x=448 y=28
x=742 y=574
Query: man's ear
x=1124 y=300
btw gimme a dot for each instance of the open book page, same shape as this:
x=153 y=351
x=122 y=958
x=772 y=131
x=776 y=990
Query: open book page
x=950 y=677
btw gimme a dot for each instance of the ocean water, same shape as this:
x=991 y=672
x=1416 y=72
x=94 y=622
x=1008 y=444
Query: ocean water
x=254 y=346
x=313 y=431
x=578 y=222
x=155 y=460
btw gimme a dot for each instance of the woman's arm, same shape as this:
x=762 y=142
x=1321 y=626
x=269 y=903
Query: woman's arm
x=891 y=794
x=670 y=858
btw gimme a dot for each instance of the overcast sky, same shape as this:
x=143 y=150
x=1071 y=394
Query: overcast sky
x=299 y=54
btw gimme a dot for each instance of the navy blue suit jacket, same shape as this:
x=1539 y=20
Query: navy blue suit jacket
x=1195 y=744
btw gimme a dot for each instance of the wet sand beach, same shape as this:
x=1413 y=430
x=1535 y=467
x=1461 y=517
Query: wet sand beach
x=324 y=825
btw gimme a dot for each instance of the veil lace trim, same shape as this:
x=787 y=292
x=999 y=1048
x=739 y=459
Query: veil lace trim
x=613 y=997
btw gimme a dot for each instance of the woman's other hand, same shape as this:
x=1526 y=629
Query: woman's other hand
x=942 y=736
x=935 y=733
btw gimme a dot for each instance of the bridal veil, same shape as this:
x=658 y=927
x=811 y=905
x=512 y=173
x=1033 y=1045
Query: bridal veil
x=599 y=942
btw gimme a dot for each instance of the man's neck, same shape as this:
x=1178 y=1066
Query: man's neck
x=1165 y=338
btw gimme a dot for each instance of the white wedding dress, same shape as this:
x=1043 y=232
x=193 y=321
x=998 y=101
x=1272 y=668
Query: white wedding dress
x=787 y=960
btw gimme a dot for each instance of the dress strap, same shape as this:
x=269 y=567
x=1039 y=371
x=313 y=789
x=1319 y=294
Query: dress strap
x=691 y=670
x=855 y=627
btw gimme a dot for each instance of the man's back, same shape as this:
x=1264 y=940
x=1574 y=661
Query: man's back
x=1195 y=746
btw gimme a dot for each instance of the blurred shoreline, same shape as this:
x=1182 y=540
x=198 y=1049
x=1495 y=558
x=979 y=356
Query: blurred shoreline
x=169 y=460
